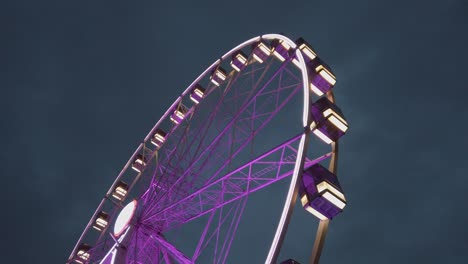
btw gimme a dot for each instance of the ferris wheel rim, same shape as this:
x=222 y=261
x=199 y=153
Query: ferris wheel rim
x=305 y=120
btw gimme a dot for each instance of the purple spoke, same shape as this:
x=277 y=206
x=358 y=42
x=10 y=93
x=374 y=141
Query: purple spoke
x=282 y=146
x=171 y=249
x=232 y=230
x=202 y=239
x=209 y=156
x=207 y=197
x=210 y=119
x=216 y=141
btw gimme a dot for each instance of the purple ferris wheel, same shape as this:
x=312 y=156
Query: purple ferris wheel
x=262 y=113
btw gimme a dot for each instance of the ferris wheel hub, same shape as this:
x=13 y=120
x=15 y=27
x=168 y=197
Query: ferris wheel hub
x=124 y=218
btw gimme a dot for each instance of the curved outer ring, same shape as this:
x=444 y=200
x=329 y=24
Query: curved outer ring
x=299 y=164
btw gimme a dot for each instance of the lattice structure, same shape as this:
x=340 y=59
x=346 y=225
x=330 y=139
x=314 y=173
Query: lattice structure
x=215 y=146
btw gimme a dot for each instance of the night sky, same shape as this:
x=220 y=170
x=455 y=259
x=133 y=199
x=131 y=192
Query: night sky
x=82 y=83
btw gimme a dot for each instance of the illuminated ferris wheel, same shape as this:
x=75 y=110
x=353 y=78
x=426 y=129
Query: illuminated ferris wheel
x=263 y=112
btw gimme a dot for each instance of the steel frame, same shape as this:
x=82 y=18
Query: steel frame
x=213 y=194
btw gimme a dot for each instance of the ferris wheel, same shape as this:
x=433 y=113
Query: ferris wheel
x=262 y=113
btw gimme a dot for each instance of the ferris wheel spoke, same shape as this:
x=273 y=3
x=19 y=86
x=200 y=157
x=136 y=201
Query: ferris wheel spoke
x=224 y=99
x=259 y=173
x=247 y=140
x=265 y=114
x=164 y=245
x=206 y=201
x=217 y=141
x=232 y=231
x=201 y=131
x=250 y=138
x=218 y=229
x=241 y=171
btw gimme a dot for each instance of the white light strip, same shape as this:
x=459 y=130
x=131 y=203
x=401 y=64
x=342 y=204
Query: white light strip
x=315 y=90
x=221 y=75
x=284 y=44
x=101 y=221
x=215 y=82
x=175 y=121
x=336 y=119
x=308 y=51
x=322 y=136
x=304 y=200
x=296 y=62
x=328 y=76
x=316 y=213
x=257 y=58
x=338 y=123
x=288 y=202
x=337 y=202
x=179 y=114
x=159 y=137
x=235 y=67
x=264 y=49
x=326 y=186
x=300 y=152
x=278 y=56
x=194 y=100
x=330 y=111
x=199 y=92
x=241 y=58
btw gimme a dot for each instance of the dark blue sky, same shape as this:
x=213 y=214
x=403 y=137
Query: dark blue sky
x=82 y=82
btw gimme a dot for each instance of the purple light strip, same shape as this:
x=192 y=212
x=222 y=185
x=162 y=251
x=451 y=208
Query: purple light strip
x=208 y=124
x=266 y=154
x=216 y=141
x=233 y=233
x=196 y=254
x=251 y=137
x=171 y=249
x=237 y=196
